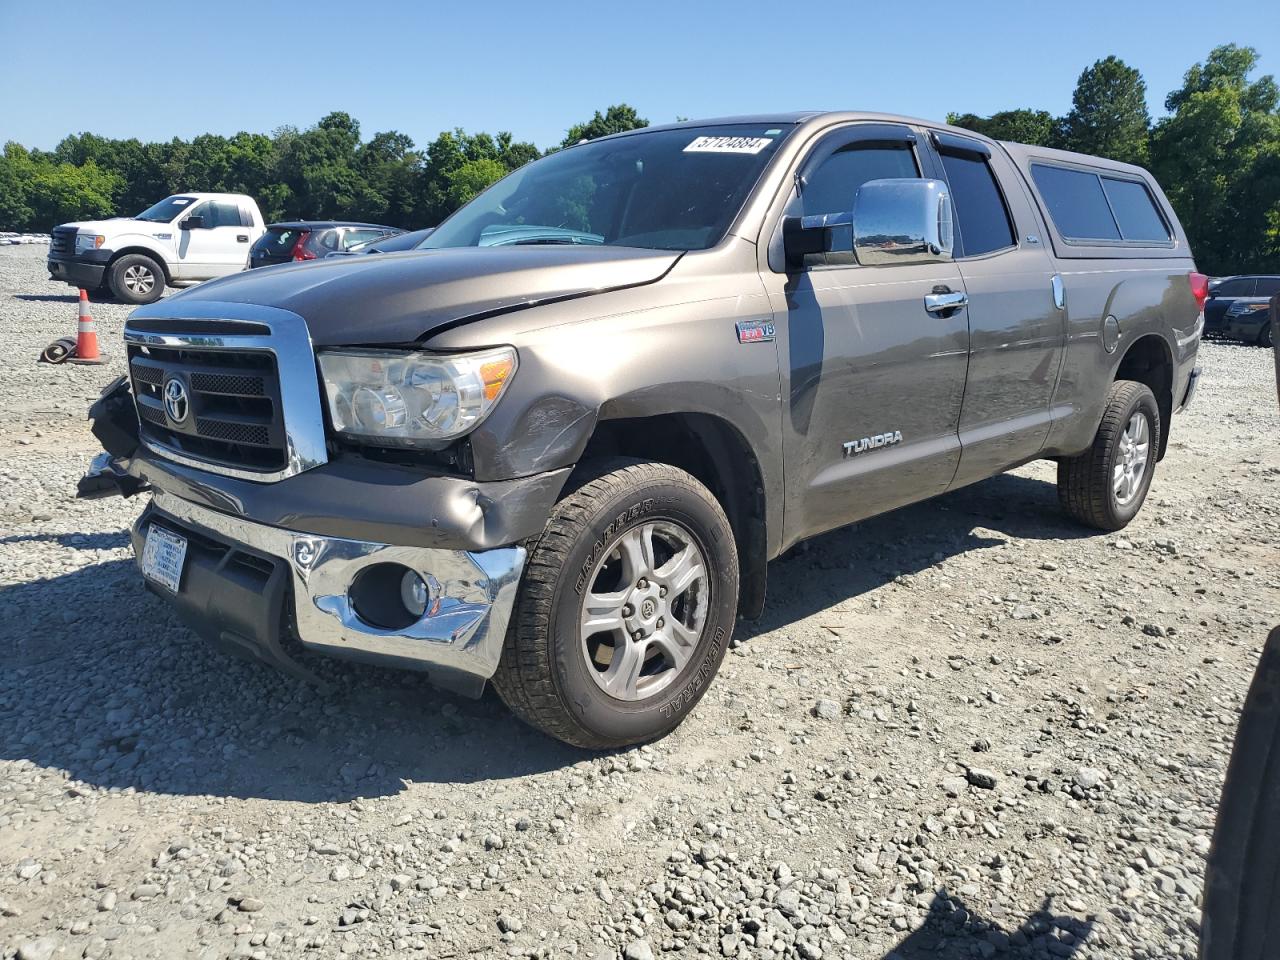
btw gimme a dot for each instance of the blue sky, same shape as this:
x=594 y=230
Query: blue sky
x=159 y=70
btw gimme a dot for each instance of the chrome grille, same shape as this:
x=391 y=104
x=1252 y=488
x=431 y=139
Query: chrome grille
x=232 y=409
x=255 y=411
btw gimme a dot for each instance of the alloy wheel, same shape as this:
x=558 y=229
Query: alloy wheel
x=644 y=610
x=1131 y=459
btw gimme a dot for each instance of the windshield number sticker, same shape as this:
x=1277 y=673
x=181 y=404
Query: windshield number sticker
x=728 y=145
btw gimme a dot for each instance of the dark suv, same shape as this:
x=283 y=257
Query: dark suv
x=312 y=240
x=1237 y=308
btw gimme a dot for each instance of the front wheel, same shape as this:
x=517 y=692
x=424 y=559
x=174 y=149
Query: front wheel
x=136 y=278
x=1264 y=335
x=626 y=608
x=1105 y=486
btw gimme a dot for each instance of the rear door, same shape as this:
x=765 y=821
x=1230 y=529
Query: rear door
x=873 y=379
x=1017 y=332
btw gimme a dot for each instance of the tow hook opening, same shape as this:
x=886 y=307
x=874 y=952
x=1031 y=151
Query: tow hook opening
x=389 y=596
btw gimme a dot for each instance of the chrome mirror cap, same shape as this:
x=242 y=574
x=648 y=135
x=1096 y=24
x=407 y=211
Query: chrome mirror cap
x=902 y=221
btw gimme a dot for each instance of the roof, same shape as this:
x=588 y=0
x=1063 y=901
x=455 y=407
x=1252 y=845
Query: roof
x=326 y=224
x=825 y=117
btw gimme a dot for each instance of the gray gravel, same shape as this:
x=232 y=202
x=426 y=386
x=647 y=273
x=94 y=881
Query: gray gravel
x=966 y=729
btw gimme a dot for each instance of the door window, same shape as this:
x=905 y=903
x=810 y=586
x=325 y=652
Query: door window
x=831 y=186
x=982 y=220
x=1235 y=287
x=352 y=237
x=1267 y=287
x=217 y=214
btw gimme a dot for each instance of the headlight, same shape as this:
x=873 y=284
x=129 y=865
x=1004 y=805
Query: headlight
x=1240 y=308
x=88 y=241
x=412 y=399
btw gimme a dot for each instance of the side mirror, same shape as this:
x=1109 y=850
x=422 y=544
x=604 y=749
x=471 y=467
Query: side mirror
x=893 y=221
x=191 y=223
x=902 y=221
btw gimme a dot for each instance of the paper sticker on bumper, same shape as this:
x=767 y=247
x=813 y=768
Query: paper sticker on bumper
x=163 y=556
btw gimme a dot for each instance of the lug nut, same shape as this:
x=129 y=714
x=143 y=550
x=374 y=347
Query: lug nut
x=661 y=623
x=628 y=610
x=662 y=591
x=642 y=583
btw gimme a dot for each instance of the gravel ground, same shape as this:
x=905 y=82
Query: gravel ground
x=965 y=729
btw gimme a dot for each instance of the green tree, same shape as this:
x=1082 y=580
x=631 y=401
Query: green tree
x=474 y=176
x=15 y=179
x=1109 y=115
x=618 y=118
x=442 y=185
x=1218 y=157
x=1038 y=127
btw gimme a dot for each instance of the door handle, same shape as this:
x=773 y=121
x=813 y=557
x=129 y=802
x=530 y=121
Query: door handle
x=943 y=304
x=242 y=238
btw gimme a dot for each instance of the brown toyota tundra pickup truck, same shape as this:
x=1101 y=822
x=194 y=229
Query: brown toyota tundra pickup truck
x=556 y=447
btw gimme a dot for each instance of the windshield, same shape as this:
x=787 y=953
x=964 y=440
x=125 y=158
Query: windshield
x=666 y=189
x=165 y=210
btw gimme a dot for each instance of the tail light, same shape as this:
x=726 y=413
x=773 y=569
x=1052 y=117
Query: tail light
x=300 y=251
x=1199 y=288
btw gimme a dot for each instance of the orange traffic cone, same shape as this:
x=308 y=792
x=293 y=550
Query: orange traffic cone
x=86 y=335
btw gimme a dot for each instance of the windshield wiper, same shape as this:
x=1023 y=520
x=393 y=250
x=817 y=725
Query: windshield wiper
x=534 y=241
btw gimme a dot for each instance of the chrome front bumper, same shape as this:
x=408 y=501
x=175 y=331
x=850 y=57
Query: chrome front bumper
x=458 y=641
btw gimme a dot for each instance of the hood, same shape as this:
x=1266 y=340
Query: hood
x=118 y=225
x=401 y=298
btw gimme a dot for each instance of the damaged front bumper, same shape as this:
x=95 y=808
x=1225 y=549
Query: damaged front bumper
x=245 y=586
x=321 y=555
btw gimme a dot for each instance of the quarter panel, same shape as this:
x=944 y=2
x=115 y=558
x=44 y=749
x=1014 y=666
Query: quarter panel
x=1145 y=297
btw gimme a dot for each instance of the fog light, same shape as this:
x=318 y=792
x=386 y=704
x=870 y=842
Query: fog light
x=413 y=594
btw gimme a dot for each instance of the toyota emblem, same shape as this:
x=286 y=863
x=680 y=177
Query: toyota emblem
x=176 y=404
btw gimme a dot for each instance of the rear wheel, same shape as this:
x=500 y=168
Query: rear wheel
x=626 y=608
x=1264 y=335
x=136 y=278
x=1105 y=486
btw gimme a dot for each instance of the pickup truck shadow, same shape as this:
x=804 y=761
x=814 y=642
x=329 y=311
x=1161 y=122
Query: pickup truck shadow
x=855 y=560
x=98 y=680
x=95 y=296
x=953 y=931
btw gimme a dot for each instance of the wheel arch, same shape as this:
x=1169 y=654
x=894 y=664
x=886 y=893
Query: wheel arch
x=718 y=455
x=146 y=252
x=1149 y=360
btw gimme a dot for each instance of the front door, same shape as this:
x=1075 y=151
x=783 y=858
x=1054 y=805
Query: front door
x=218 y=248
x=872 y=379
x=1017 y=331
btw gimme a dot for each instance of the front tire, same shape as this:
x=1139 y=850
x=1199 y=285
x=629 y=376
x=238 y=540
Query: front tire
x=136 y=279
x=626 y=608
x=1105 y=486
x=1264 y=335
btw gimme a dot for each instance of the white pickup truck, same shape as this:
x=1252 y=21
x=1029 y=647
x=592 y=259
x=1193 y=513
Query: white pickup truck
x=179 y=241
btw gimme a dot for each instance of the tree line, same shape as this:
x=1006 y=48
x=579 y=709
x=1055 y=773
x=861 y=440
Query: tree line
x=1216 y=152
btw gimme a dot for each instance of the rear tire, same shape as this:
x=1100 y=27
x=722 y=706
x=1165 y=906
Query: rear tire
x=136 y=278
x=1264 y=335
x=626 y=607
x=1105 y=486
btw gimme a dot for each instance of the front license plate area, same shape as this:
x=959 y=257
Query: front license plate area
x=163 y=556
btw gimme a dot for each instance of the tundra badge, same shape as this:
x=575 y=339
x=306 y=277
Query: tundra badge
x=888 y=439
